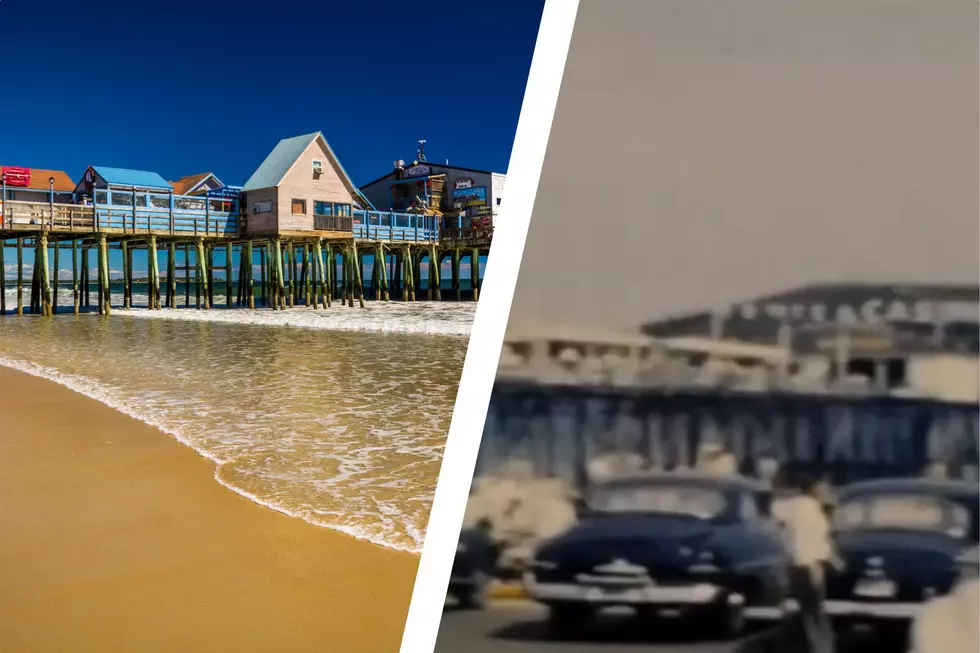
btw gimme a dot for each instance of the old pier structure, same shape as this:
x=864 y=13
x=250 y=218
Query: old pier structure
x=295 y=235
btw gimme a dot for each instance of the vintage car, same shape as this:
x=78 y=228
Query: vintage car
x=899 y=540
x=666 y=545
x=473 y=567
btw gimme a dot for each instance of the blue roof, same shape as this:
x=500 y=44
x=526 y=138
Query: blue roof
x=279 y=161
x=138 y=178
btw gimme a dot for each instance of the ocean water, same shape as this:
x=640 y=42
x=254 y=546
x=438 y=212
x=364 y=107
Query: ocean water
x=344 y=429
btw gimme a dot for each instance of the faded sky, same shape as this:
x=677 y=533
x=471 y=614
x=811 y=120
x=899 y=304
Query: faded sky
x=706 y=151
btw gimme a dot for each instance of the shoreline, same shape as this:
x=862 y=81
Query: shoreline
x=119 y=539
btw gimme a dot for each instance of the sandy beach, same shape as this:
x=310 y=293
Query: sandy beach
x=115 y=537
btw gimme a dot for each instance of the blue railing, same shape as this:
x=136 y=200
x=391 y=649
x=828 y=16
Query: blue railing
x=402 y=227
x=148 y=212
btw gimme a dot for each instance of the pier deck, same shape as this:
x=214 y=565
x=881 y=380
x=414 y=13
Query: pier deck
x=305 y=267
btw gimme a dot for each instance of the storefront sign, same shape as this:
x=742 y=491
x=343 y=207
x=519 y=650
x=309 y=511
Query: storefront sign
x=466 y=197
x=418 y=171
x=870 y=312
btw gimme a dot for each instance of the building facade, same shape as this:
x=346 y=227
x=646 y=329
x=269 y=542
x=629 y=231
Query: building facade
x=438 y=187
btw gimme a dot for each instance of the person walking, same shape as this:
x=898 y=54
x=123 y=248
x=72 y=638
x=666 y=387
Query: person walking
x=806 y=532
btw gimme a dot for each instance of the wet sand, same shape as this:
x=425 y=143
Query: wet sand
x=114 y=537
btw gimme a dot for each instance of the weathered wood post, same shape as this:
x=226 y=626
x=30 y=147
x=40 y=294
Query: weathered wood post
x=383 y=262
x=457 y=290
x=55 y=277
x=86 y=276
x=125 y=270
x=304 y=274
x=250 y=291
x=210 y=279
x=74 y=275
x=172 y=274
x=20 y=276
x=202 y=273
x=281 y=298
x=435 y=269
x=316 y=270
x=262 y=286
x=3 y=276
x=329 y=273
x=410 y=273
x=228 y=271
x=187 y=277
x=129 y=263
x=197 y=274
x=104 y=268
x=98 y=274
x=475 y=273
x=44 y=282
x=153 y=268
x=291 y=269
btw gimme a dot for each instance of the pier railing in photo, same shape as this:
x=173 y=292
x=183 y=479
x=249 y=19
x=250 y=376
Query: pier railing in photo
x=560 y=428
x=209 y=234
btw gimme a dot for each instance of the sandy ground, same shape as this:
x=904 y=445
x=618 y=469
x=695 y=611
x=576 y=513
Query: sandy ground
x=113 y=537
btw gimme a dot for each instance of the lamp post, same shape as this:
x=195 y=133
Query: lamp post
x=51 y=200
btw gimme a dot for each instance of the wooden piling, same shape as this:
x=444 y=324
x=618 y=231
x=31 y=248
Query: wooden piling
x=129 y=264
x=76 y=299
x=86 y=274
x=201 y=273
x=249 y=274
x=410 y=273
x=172 y=274
x=210 y=280
x=304 y=279
x=281 y=299
x=104 y=275
x=98 y=275
x=125 y=271
x=153 y=272
x=262 y=271
x=228 y=271
x=475 y=273
x=44 y=282
x=3 y=278
x=382 y=261
x=457 y=290
x=435 y=266
x=187 y=277
x=291 y=274
x=55 y=277
x=327 y=272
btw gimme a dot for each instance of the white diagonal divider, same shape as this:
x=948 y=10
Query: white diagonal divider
x=490 y=322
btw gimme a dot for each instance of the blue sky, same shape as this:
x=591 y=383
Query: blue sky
x=181 y=87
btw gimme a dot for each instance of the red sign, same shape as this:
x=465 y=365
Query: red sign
x=17 y=176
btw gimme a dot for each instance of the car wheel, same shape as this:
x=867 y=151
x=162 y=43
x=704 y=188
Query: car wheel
x=566 y=620
x=474 y=597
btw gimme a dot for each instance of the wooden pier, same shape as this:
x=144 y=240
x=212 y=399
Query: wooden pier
x=184 y=247
x=295 y=230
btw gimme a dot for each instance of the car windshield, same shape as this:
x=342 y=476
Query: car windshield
x=689 y=500
x=907 y=512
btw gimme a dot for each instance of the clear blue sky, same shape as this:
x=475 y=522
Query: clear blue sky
x=182 y=87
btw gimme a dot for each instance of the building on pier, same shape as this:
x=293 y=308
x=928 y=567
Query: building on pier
x=199 y=184
x=36 y=185
x=915 y=339
x=439 y=187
